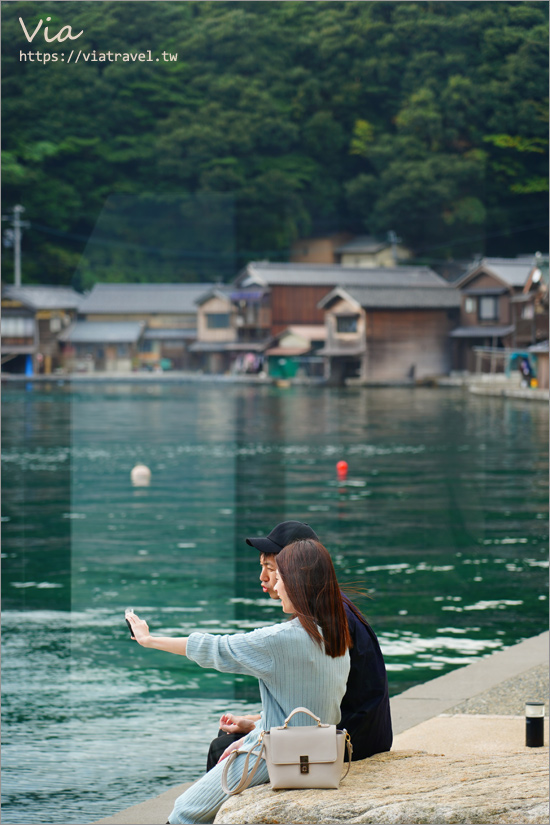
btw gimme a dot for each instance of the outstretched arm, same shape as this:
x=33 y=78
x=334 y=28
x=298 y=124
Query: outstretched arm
x=170 y=644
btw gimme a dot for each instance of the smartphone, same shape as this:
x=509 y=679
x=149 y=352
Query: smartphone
x=130 y=626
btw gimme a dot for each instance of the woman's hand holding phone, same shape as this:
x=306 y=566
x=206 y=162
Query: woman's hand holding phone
x=129 y=610
x=139 y=629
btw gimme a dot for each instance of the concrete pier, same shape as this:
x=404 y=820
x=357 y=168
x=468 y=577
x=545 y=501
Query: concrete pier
x=476 y=711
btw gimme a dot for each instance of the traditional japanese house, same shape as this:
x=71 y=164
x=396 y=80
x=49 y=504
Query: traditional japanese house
x=390 y=330
x=167 y=312
x=101 y=346
x=292 y=292
x=489 y=314
x=232 y=330
x=32 y=318
x=367 y=251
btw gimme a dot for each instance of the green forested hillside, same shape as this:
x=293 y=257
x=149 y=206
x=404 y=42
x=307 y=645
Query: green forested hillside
x=426 y=118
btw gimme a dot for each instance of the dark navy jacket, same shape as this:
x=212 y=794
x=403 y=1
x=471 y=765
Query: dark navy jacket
x=366 y=703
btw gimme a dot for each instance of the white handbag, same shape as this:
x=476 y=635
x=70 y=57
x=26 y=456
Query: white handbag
x=309 y=756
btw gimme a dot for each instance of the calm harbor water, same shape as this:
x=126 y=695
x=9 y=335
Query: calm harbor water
x=442 y=524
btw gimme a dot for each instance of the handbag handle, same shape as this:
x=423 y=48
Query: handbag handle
x=303 y=710
x=246 y=778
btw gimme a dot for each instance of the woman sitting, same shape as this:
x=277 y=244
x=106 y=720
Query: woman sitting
x=303 y=662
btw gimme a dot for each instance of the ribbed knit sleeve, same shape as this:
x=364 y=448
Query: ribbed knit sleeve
x=292 y=669
x=247 y=653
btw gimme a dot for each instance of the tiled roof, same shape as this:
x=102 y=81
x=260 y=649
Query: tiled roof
x=416 y=297
x=512 y=271
x=131 y=299
x=481 y=332
x=273 y=274
x=44 y=297
x=155 y=334
x=215 y=291
x=103 y=332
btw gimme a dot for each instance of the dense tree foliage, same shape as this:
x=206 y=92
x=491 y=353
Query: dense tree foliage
x=426 y=118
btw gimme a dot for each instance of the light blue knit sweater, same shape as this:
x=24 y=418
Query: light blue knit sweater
x=293 y=671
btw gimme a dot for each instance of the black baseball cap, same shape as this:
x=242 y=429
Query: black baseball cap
x=281 y=535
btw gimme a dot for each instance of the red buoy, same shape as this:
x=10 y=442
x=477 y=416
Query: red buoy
x=342 y=470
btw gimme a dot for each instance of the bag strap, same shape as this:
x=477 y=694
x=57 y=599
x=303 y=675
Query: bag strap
x=246 y=778
x=349 y=746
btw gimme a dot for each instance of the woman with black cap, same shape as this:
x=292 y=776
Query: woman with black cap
x=302 y=662
x=365 y=707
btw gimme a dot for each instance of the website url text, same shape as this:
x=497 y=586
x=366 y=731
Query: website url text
x=96 y=57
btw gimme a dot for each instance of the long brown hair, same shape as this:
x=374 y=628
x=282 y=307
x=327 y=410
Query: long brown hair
x=309 y=578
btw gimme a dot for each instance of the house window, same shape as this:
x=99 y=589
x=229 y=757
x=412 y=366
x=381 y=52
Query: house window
x=528 y=312
x=346 y=323
x=17 y=327
x=488 y=308
x=218 y=320
x=470 y=305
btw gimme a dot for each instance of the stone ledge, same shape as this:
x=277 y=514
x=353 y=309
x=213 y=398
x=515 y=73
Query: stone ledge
x=410 y=787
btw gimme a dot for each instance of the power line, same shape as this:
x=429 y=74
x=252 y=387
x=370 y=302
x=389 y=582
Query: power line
x=470 y=238
x=184 y=253
x=149 y=250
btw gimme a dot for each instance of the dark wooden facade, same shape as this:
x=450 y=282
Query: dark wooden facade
x=387 y=345
x=486 y=282
x=495 y=332
x=293 y=304
x=408 y=344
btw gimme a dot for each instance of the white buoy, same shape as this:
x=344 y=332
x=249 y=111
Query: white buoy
x=140 y=475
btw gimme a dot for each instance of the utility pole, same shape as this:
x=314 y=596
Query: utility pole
x=12 y=237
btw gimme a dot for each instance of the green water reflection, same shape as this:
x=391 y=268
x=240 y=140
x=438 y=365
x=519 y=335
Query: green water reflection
x=442 y=524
